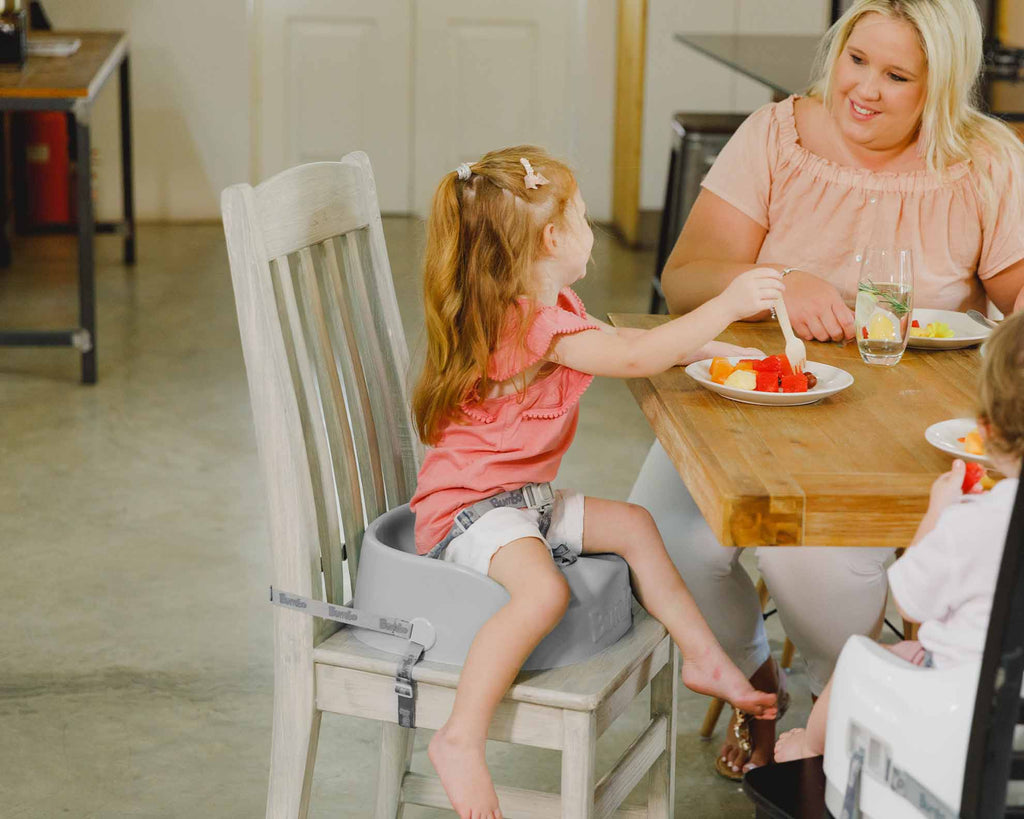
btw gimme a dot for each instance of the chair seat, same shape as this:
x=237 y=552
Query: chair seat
x=582 y=686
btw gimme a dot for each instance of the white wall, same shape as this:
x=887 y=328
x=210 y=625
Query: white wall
x=191 y=87
x=677 y=78
x=190 y=98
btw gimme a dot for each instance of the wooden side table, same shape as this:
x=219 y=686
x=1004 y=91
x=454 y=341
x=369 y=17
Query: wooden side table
x=71 y=84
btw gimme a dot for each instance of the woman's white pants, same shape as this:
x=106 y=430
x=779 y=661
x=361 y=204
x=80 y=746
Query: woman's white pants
x=824 y=595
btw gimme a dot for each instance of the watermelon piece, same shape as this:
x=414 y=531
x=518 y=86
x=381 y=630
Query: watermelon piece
x=915 y=323
x=787 y=368
x=864 y=331
x=771 y=364
x=972 y=475
x=767 y=381
x=795 y=382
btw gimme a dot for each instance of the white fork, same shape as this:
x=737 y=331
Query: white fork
x=795 y=350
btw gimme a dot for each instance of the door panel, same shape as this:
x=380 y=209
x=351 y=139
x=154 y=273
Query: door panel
x=488 y=74
x=335 y=76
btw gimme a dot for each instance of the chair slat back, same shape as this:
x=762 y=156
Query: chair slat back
x=327 y=364
x=997 y=707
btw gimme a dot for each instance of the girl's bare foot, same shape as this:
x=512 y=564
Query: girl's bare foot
x=762 y=732
x=711 y=672
x=794 y=745
x=462 y=767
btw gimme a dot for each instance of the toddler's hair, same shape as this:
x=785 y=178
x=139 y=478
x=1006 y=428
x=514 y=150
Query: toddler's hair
x=1001 y=393
x=483 y=236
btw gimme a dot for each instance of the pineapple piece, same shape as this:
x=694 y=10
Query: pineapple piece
x=742 y=380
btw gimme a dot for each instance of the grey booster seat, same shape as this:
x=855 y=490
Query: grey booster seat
x=396 y=581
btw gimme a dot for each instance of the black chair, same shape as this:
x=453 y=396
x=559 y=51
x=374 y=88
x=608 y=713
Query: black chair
x=696 y=141
x=796 y=790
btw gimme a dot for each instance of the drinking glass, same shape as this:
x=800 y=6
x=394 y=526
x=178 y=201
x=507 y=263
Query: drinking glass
x=885 y=303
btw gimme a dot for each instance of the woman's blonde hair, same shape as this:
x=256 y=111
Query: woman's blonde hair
x=1001 y=392
x=953 y=128
x=483 y=236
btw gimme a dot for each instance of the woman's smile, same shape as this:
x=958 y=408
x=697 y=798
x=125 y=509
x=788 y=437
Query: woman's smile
x=862 y=113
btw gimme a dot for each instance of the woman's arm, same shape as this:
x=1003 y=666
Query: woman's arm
x=1006 y=288
x=718 y=243
x=647 y=352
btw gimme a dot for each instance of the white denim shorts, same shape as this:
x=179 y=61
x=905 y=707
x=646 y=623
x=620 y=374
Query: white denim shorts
x=475 y=547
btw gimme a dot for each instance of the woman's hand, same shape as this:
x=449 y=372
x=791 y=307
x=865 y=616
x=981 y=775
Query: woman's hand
x=720 y=348
x=752 y=292
x=816 y=309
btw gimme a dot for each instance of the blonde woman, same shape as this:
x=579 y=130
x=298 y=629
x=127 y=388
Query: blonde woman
x=889 y=148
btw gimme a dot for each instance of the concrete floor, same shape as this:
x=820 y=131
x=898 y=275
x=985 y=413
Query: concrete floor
x=135 y=654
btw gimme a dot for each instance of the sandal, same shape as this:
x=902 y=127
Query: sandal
x=739 y=725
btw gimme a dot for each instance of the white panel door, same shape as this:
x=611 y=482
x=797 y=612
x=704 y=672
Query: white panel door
x=490 y=73
x=335 y=76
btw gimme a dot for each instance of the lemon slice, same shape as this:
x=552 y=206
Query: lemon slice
x=883 y=327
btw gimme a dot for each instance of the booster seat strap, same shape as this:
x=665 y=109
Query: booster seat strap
x=529 y=496
x=343 y=614
x=405 y=685
x=851 y=801
x=900 y=782
x=413 y=630
x=918 y=795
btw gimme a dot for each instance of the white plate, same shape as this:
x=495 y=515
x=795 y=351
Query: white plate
x=968 y=331
x=830 y=381
x=944 y=435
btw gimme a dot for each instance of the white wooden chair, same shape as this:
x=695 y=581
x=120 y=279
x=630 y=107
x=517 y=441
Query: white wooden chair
x=326 y=361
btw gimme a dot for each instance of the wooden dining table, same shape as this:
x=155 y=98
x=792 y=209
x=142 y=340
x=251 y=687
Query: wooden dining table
x=851 y=470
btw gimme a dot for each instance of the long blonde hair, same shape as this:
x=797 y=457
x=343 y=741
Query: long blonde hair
x=483 y=236
x=953 y=128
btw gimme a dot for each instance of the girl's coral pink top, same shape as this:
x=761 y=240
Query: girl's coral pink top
x=511 y=440
x=820 y=215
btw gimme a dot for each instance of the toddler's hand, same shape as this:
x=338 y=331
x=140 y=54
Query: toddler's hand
x=720 y=348
x=947 y=487
x=753 y=292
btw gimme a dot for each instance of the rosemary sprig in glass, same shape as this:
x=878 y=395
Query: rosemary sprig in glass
x=898 y=307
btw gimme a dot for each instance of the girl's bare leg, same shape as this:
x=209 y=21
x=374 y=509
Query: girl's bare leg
x=539 y=598
x=810 y=741
x=804 y=742
x=630 y=532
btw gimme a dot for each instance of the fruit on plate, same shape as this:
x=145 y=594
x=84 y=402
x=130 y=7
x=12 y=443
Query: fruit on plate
x=973 y=444
x=767 y=381
x=972 y=477
x=771 y=374
x=720 y=369
x=934 y=329
x=742 y=380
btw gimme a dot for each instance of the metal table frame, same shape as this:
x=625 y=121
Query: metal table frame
x=83 y=337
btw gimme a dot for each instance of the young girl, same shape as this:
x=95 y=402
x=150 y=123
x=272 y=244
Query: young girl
x=510 y=350
x=947 y=579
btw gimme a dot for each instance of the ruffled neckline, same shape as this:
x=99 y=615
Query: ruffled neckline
x=829 y=171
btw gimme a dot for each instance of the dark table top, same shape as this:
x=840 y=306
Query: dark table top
x=783 y=62
x=780 y=61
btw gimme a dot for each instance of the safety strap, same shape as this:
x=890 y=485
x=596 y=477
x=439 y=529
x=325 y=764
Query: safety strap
x=900 y=782
x=529 y=496
x=419 y=632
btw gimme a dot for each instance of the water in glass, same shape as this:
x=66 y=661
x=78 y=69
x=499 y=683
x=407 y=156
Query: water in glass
x=885 y=303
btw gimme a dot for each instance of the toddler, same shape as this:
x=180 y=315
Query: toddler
x=510 y=350
x=946 y=580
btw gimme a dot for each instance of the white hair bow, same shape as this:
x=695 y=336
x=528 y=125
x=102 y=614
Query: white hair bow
x=532 y=180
